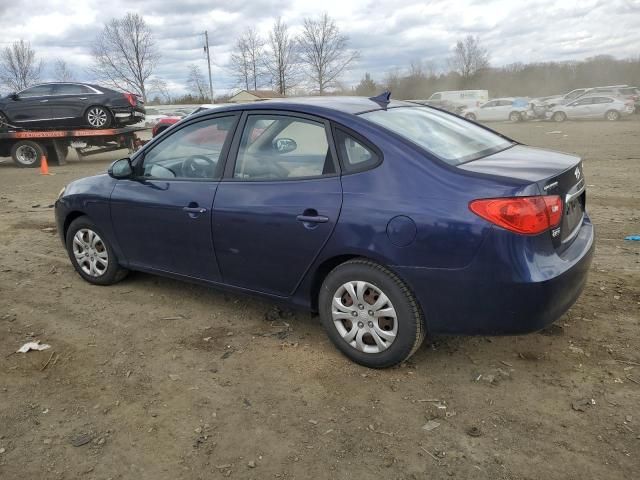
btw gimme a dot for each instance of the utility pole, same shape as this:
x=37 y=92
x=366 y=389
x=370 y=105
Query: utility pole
x=206 y=49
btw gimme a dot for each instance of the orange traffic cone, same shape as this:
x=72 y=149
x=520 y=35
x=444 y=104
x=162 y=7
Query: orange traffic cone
x=44 y=167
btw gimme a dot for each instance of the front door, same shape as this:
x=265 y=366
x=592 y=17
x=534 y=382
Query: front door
x=162 y=217
x=30 y=107
x=278 y=204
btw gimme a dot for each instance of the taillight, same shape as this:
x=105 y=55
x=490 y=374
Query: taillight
x=525 y=215
x=131 y=98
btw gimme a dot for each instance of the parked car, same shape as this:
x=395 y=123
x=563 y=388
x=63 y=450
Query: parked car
x=162 y=124
x=391 y=219
x=442 y=104
x=499 y=109
x=466 y=98
x=70 y=105
x=579 y=92
x=153 y=116
x=594 y=107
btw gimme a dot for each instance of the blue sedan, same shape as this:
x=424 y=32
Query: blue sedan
x=391 y=220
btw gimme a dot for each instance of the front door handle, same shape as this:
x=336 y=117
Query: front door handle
x=43 y=101
x=310 y=215
x=194 y=209
x=82 y=98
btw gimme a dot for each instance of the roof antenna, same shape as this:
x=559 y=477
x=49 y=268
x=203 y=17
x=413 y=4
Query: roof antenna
x=383 y=99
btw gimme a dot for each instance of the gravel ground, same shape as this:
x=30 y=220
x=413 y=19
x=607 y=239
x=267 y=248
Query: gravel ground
x=156 y=379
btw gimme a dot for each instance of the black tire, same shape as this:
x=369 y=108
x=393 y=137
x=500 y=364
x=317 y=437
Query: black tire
x=559 y=117
x=98 y=117
x=409 y=318
x=470 y=116
x=113 y=272
x=612 y=115
x=27 y=154
x=515 y=117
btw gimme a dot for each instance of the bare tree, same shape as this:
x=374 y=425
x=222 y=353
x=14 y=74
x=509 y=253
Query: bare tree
x=469 y=57
x=125 y=54
x=324 y=51
x=61 y=71
x=196 y=83
x=18 y=66
x=282 y=60
x=159 y=87
x=240 y=63
x=248 y=60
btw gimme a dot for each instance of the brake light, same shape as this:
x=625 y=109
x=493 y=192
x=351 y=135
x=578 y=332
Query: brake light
x=524 y=215
x=131 y=98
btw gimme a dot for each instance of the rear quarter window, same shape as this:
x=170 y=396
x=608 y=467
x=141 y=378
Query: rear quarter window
x=355 y=153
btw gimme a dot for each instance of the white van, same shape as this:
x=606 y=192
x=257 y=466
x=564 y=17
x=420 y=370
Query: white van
x=466 y=98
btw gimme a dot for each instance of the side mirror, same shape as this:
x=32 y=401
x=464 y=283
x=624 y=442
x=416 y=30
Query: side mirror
x=284 y=145
x=14 y=96
x=121 y=169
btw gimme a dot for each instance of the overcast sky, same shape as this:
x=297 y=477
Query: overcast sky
x=389 y=34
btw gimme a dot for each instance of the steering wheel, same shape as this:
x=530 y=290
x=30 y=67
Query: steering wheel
x=198 y=166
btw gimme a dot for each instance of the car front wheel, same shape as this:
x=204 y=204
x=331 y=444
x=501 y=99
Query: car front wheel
x=612 y=115
x=559 y=117
x=370 y=314
x=91 y=255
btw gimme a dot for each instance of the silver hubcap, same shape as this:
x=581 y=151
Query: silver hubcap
x=97 y=117
x=364 y=317
x=90 y=252
x=26 y=155
x=612 y=115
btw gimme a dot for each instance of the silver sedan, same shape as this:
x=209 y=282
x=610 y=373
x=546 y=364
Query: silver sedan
x=595 y=107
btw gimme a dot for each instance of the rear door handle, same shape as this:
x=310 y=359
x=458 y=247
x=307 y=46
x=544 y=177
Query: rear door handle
x=43 y=101
x=312 y=218
x=83 y=98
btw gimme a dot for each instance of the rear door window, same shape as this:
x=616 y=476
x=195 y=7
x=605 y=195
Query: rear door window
x=356 y=155
x=69 y=89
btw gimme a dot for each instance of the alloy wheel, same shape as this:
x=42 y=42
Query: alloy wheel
x=90 y=252
x=97 y=117
x=364 y=316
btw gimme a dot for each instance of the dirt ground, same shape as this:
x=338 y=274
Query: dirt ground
x=156 y=379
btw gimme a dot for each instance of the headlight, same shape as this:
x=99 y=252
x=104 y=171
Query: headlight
x=61 y=191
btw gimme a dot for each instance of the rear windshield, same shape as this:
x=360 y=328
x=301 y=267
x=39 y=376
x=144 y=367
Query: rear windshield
x=448 y=137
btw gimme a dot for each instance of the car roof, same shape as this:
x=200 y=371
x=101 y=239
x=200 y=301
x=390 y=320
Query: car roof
x=351 y=105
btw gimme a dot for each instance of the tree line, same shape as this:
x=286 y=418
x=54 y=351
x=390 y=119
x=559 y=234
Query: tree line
x=126 y=57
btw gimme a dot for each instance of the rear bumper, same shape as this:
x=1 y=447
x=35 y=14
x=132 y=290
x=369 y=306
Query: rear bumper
x=518 y=289
x=128 y=114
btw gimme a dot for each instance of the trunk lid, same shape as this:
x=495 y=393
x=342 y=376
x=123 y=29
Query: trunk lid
x=554 y=173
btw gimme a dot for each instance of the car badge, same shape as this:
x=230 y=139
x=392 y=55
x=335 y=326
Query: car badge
x=577 y=173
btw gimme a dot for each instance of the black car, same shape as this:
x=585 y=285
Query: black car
x=70 y=105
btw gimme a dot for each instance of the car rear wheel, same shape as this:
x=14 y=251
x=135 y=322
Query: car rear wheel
x=370 y=314
x=98 y=117
x=27 y=154
x=612 y=115
x=91 y=255
x=559 y=117
x=515 y=117
x=470 y=116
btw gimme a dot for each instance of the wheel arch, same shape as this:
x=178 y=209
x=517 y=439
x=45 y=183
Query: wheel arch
x=324 y=268
x=71 y=216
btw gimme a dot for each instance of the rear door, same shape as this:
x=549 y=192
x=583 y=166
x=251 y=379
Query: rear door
x=69 y=101
x=278 y=203
x=162 y=217
x=31 y=106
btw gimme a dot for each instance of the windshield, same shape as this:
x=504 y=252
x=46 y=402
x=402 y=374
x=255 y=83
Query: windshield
x=450 y=138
